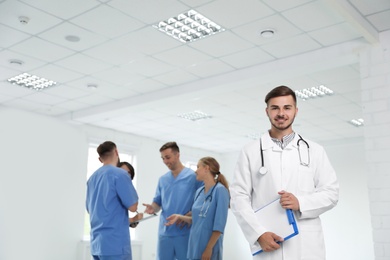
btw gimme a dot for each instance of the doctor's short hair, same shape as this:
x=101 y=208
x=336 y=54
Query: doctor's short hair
x=279 y=92
x=106 y=149
x=170 y=145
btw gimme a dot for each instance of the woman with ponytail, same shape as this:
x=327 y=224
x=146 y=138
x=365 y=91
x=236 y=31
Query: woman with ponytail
x=209 y=213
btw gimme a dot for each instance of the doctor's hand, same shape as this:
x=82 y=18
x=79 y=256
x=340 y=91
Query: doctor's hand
x=172 y=219
x=268 y=241
x=288 y=200
x=149 y=208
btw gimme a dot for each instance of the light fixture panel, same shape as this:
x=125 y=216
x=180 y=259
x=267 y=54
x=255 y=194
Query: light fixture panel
x=313 y=92
x=31 y=81
x=188 y=27
x=195 y=115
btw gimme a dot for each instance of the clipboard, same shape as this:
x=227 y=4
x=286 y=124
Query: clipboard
x=145 y=218
x=277 y=220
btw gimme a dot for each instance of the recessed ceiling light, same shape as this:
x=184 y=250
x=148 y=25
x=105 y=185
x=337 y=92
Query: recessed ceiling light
x=195 y=115
x=72 y=38
x=92 y=86
x=313 y=92
x=31 y=81
x=24 y=20
x=268 y=33
x=16 y=62
x=188 y=27
x=357 y=122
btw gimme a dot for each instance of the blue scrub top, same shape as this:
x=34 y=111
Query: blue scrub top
x=175 y=196
x=209 y=213
x=110 y=192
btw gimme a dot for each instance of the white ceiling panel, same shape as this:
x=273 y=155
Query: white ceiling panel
x=150 y=12
x=221 y=44
x=176 y=77
x=317 y=12
x=247 y=58
x=280 y=25
x=9 y=36
x=83 y=64
x=335 y=34
x=381 y=20
x=38 y=21
x=107 y=21
x=62 y=9
x=281 y=5
x=28 y=63
x=235 y=13
x=209 y=68
x=58 y=34
x=145 y=78
x=295 y=45
x=41 y=49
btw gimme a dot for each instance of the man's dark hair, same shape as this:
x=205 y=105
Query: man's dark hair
x=106 y=149
x=131 y=168
x=172 y=145
x=279 y=92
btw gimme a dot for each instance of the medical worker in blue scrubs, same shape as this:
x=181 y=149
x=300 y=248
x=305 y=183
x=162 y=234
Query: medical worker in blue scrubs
x=174 y=195
x=209 y=213
x=110 y=195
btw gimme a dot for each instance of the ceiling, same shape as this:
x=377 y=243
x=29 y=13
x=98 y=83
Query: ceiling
x=145 y=79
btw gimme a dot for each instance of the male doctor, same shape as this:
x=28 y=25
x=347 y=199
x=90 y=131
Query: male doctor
x=295 y=170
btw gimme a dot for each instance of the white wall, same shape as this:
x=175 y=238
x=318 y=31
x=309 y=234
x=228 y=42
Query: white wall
x=41 y=191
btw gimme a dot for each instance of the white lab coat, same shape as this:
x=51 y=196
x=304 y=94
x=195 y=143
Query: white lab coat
x=315 y=186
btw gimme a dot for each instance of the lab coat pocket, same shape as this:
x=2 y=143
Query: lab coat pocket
x=312 y=242
x=306 y=179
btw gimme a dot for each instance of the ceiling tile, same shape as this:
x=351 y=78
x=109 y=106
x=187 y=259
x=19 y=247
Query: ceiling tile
x=63 y=9
x=66 y=92
x=150 y=12
x=9 y=36
x=123 y=53
x=335 y=34
x=10 y=11
x=147 y=85
x=367 y=7
x=41 y=50
x=28 y=63
x=107 y=21
x=94 y=100
x=282 y=28
x=247 y=58
x=42 y=98
x=118 y=76
x=381 y=20
x=182 y=56
x=295 y=45
x=176 y=77
x=148 y=67
x=210 y=68
x=59 y=33
x=281 y=5
x=221 y=44
x=14 y=91
x=231 y=13
x=317 y=12
x=83 y=64
x=149 y=40
x=56 y=73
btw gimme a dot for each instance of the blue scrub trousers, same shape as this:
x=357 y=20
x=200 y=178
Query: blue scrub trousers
x=112 y=257
x=172 y=247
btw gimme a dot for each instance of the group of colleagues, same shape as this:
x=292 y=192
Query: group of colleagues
x=194 y=205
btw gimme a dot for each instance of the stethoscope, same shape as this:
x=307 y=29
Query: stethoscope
x=208 y=197
x=263 y=170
